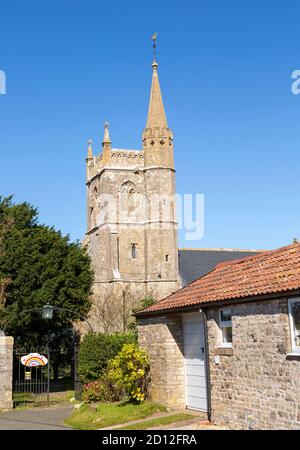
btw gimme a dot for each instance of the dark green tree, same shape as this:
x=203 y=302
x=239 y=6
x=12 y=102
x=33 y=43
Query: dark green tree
x=42 y=267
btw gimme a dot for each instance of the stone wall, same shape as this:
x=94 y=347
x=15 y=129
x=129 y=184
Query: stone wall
x=162 y=338
x=256 y=378
x=6 y=366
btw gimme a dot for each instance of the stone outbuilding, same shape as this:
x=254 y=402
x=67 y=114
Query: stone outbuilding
x=228 y=344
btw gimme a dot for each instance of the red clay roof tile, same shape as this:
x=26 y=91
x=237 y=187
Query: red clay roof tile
x=265 y=273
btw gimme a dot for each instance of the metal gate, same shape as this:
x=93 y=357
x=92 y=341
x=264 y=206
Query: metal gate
x=31 y=377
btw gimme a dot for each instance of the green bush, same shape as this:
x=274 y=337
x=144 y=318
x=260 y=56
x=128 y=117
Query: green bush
x=144 y=303
x=129 y=371
x=96 y=350
x=101 y=391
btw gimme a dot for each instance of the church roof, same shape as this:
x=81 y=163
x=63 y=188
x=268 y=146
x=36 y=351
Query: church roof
x=194 y=263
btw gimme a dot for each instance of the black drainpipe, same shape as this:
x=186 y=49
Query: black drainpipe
x=207 y=370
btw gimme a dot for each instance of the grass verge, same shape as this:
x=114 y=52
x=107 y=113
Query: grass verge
x=110 y=414
x=161 y=421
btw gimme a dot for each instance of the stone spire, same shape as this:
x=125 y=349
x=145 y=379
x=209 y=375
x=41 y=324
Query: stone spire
x=89 y=158
x=157 y=137
x=106 y=144
x=156 y=113
x=90 y=150
x=106 y=138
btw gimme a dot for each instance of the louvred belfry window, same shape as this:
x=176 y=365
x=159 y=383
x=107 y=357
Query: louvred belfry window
x=127 y=199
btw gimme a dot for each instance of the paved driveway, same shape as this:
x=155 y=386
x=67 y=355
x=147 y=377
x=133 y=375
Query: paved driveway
x=36 y=419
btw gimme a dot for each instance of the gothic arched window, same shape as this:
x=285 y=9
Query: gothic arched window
x=127 y=198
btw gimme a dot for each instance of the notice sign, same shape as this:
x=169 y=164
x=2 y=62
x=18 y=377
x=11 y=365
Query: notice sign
x=27 y=376
x=34 y=360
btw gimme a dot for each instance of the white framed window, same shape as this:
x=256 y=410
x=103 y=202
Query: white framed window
x=225 y=326
x=294 y=316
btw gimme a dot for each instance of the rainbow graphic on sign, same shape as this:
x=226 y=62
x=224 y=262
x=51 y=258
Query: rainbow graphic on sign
x=34 y=360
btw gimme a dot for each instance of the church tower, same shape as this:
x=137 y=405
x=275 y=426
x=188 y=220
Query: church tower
x=131 y=219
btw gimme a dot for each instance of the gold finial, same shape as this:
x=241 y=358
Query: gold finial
x=154 y=39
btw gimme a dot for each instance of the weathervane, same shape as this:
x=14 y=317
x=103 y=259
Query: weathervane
x=154 y=39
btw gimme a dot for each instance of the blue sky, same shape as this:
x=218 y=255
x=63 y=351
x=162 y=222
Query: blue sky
x=225 y=72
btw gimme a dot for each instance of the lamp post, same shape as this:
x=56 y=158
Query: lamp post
x=47 y=312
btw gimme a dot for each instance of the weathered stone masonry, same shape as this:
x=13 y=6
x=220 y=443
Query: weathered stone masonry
x=6 y=365
x=256 y=377
x=162 y=338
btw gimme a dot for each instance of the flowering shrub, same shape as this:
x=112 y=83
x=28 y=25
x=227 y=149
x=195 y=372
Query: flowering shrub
x=93 y=391
x=129 y=371
x=101 y=390
x=96 y=350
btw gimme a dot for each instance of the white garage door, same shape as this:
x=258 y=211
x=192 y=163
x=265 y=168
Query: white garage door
x=195 y=361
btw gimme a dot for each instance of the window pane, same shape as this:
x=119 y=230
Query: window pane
x=227 y=335
x=296 y=320
x=226 y=315
x=133 y=251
